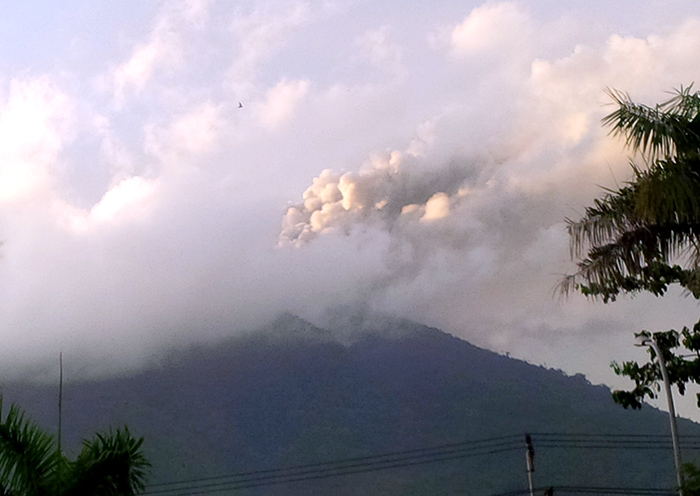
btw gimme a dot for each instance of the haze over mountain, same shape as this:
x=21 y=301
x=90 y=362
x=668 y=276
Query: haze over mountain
x=293 y=394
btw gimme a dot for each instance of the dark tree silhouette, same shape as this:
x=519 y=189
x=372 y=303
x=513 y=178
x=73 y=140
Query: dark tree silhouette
x=111 y=464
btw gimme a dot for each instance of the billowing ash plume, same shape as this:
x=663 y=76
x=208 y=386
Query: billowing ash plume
x=387 y=188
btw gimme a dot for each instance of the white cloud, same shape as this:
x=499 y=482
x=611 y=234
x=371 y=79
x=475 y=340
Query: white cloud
x=490 y=28
x=160 y=51
x=258 y=35
x=382 y=52
x=114 y=154
x=138 y=70
x=35 y=122
x=194 y=11
x=126 y=201
x=186 y=137
x=281 y=102
x=197 y=131
x=437 y=207
x=164 y=49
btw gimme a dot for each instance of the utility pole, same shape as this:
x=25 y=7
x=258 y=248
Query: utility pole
x=60 y=399
x=60 y=411
x=530 y=460
x=651 y=343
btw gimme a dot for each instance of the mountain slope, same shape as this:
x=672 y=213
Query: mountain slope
x=293 y=394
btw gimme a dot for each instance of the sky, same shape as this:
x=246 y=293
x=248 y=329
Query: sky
x=177 y=171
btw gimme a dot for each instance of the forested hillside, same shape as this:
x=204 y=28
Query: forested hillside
x=295 y=395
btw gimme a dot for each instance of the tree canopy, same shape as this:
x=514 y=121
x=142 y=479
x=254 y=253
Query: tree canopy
x=111 y=464
x=645 y=235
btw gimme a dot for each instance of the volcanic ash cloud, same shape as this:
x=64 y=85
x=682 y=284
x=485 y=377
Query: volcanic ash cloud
x=388 y=187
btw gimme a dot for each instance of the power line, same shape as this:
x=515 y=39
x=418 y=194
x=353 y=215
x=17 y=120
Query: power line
x=613 y=490
x=348 y=466
x=613 y=441
x=272 y=480
x=489 y=442
x=608 y=435
x=613 y=447
x=412 y=457
x=638 y=491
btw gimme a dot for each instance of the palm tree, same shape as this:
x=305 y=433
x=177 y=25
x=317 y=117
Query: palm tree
x=111 y=464
x=645 y=235
x=28 y=459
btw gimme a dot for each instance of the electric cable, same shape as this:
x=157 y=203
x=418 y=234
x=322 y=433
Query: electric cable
x=418 y=456
x=341 y=467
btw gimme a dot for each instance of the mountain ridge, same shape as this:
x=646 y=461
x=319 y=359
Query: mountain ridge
x=293 y=393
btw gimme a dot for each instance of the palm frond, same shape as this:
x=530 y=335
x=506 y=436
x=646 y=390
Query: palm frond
x=601 y=223
x=660 y=131
x=668 y=192
x=27 y=455
x=653 y=219
x=110 y=464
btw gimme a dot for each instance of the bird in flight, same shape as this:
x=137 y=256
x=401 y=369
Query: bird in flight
x=240 y=105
